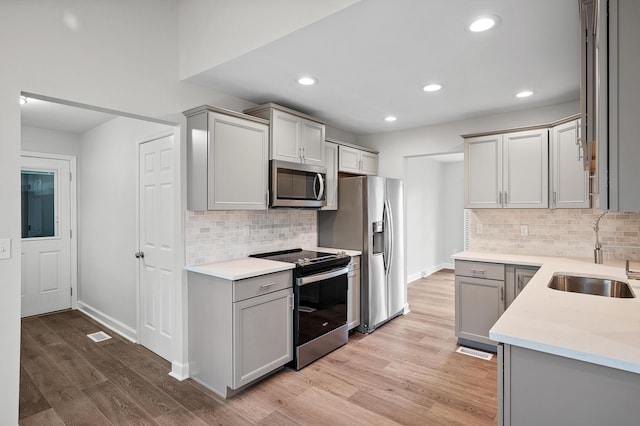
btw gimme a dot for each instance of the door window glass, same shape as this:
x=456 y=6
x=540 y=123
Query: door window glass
x=38 y=204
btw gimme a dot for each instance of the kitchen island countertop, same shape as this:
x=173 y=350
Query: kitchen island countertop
x=596 y=329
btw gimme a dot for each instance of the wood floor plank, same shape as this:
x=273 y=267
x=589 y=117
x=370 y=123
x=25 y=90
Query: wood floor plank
x=150 y=398
x=43 y=418
x=116 y=405
x=74 y=408
x=76 y=368
x=31 y=400
x=180 y=416
x=277 y=419
x=392 y=406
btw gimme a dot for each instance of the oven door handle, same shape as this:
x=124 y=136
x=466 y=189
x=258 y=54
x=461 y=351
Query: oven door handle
x=323 y=276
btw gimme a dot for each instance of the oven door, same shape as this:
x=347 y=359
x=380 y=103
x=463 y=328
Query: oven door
x=321 y=304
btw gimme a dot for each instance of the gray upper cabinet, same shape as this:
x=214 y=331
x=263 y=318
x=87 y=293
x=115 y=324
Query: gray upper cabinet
x=357 y=161
x=618 y=66
x=509 y=170
x=295 y=137
x=331 y=186
x=569 y=180
x=227 y=160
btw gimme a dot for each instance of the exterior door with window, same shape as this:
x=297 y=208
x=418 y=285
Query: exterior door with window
x=46 y=235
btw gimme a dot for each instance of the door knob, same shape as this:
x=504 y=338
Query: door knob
x=139 y=254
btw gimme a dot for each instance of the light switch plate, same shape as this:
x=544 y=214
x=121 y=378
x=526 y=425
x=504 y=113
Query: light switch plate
x=5 y=248
x=524 y=230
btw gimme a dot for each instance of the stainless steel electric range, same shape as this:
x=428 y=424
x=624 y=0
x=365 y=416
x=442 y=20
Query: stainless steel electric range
x=320 y=302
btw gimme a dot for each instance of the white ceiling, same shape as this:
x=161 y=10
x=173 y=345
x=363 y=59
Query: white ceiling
x=373 y=58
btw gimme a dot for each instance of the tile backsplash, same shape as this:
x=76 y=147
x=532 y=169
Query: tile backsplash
x=224 y=235
x=560 y=232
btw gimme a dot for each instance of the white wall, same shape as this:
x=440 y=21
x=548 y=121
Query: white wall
x=49 y=141
x=435 y=212
x=107 y=225
x=444 y=138
x=117 y=54
x=209 y=37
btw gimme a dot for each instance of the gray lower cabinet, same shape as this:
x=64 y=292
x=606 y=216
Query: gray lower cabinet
x=239 y=331
x=516 y=278
x=483 y=291
x=353 y=293
x=537 y=388
x=227 y=160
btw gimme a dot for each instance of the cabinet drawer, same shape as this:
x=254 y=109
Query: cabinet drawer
x=263 y=284
x=491 y=271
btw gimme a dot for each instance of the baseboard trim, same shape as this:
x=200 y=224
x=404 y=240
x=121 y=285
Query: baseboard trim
x=109 y=322
x=179 y=371
x=426 y=272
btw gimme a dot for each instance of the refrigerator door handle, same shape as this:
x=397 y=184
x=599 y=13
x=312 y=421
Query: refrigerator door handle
x=389 y=235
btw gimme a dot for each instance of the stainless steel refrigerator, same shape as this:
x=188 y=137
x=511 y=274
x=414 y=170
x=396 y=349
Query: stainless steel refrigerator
x=370 y=218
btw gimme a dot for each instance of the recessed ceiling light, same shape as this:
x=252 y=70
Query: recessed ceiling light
x=390 y=118
x=432 y=87
x=484 y=23
x=307 y=81
x=524 y=93
x=23 y=100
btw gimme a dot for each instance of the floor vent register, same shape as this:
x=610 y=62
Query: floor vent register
x=474 y=353
x=99 y=336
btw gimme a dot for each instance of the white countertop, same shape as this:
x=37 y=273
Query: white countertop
x=595 y=329
x=335 y=250
x=241 y=268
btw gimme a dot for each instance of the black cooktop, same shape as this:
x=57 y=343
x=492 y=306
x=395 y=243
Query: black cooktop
x=307 y=260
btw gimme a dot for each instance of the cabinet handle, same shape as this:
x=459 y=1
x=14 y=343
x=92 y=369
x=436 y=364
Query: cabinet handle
x=501 y=293
x=505 y=198
x=267 y=198
x=291 y=304
x=267 y=285
x=475 y=272
x=499 y=198
x=304 y=154
x=519 y=286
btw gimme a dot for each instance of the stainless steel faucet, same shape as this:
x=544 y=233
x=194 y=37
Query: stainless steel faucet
x=632 y=275
x=597 y=251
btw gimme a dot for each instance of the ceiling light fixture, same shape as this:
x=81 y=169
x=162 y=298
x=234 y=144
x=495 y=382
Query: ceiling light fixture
x=23 y=100
x=390 y=118
x=432 y=87
x=307 y=81
x=524 y=93
x=484 y=23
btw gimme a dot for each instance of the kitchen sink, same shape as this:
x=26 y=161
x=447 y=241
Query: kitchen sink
x=589 y=285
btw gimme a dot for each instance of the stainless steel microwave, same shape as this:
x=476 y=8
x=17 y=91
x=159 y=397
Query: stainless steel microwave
x=297 y=185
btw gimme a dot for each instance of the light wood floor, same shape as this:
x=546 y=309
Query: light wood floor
x=406 y=372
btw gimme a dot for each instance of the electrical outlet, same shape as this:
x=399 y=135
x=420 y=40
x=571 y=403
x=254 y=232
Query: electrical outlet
x=5 y=248
x=524 y=230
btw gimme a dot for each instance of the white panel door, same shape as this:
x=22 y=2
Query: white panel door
x=285 y=137
x=348 y=160
x=312 y=142
x=157 y=177
x=46 y=235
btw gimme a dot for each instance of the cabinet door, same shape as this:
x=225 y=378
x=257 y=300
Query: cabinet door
x=312 y=142
x=523 y=276
x=349 y=160
x=353 y=294
x=331 y=185
x=526 y=169
x=262 y=335
x=623 y=105
x=483 y=172
x=570 y=182
x=285 y=137
x=237 y=176
x=479 y=304
x=368 y=163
